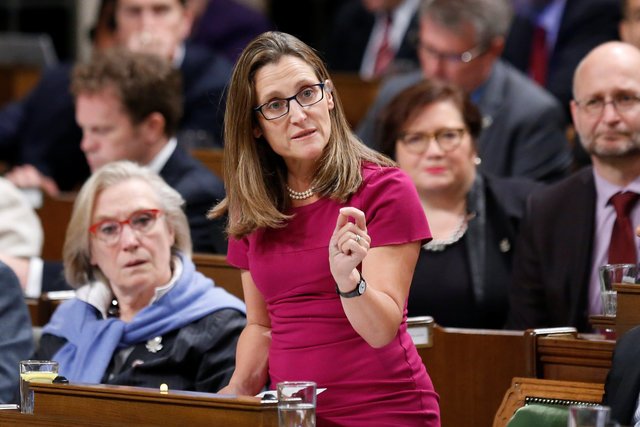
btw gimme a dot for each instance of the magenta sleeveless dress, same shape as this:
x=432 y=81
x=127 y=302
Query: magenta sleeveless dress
x=311 y=336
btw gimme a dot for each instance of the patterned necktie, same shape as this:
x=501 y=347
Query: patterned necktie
x=622 y=248
x=385 y=52
x=539 y=57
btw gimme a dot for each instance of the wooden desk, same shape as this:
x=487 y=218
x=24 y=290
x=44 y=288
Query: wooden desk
x=565 y=355
x=109 y=405
x=471 y=369
x=216 y=267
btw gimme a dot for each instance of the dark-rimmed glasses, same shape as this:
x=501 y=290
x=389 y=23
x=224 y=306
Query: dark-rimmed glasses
x=277 y=108
x=622 y=102
x=418 y=142
x=109 y=230
x=464 y=57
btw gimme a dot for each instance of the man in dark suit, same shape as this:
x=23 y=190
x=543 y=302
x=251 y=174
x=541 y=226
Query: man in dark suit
x=128 y=106
x=622 y=388
x=523 y=125
x=568 y=226
x=40 y=129
x=16 y=338
x=571 y=29
x=358 y=32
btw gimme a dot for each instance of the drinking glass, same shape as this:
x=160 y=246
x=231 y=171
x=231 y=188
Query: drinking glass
x=297 y=404
x=610 y=274
x=588 y=416
x=44 y=371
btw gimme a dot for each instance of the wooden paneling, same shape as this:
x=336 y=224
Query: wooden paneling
x=522 y=388
x=16 y=81
x=54 y=215
x=216 y=267
x=357 y=95
x=471 y=369
x=212 y=158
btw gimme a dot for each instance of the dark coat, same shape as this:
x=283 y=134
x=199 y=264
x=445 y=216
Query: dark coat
x=197 y=357
x=553 y=258
x=622 y=387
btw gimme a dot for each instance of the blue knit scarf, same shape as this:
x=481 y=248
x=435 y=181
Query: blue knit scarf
x=92 y=341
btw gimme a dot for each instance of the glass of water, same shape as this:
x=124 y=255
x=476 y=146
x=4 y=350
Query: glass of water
x=610 y=274
x=297 y=404
x=44 y=371
x=588 y=416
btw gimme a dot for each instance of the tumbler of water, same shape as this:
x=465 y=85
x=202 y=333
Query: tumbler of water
x=588 y=416
x=297 y=404
x=610 y=274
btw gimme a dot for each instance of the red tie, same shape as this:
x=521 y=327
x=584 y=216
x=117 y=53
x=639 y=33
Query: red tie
x=385 y=52
x=539 y=58
x=622 y=248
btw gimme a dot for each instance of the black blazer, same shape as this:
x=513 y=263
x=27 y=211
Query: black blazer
x=553 y=258
x=623 y=381
x=349 y=37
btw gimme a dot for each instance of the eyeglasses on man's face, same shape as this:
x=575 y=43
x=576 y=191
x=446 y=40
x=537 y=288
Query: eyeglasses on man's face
x=110 y=230
x=448 y=139
x=622 y=102
x=278 y=107
x=464 y=57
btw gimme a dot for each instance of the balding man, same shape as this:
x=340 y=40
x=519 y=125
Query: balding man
x=568 y=227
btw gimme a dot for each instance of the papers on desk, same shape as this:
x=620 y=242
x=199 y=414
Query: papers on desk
x=271 y=396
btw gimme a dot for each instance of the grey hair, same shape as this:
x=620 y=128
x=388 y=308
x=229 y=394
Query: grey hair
x=77 y=249
x=489 y=18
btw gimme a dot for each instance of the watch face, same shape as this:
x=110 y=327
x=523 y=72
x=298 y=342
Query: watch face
x=362 y=286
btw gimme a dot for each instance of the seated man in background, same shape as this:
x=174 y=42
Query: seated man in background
x=128 y=106
x=40 y=131
x=576 y=225
x=16 y=338
x=142 y=314
x=523 y=125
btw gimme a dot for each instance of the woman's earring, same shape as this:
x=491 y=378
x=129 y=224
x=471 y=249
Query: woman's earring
x=477 y=160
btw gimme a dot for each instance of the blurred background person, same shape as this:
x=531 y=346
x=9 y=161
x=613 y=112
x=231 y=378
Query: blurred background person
x=142 y=315
x=373 y=37
x=629 y=26
x=226 y=26
x=129 y=105
x=548 y=38
x=462 y=275
x=40 y=129
x=16 y=338
x=297 y=177
x=523 y=126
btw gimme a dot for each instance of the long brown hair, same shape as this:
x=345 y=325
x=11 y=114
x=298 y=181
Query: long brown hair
x=255 y=176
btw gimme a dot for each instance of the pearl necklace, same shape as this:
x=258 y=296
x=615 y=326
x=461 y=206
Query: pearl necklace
x=300 y=195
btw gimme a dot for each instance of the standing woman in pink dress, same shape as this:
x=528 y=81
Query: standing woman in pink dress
x=327 y=233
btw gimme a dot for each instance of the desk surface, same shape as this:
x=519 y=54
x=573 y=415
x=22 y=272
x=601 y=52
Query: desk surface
x=108 y=405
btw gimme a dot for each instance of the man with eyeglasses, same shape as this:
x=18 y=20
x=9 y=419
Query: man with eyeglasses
x=587 y=220
x=460 y=41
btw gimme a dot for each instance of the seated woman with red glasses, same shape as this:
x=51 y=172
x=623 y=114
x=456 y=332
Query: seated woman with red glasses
x=142 y=315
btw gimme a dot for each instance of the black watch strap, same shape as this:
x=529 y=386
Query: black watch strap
x=359 y=289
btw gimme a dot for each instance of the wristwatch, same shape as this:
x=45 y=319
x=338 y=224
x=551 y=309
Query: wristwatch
x=359 y=289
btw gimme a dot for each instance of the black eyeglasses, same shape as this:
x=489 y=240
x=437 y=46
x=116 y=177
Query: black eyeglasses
x=277 y=108
x=418 y=142
x=622 y=102
x=464 y=57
